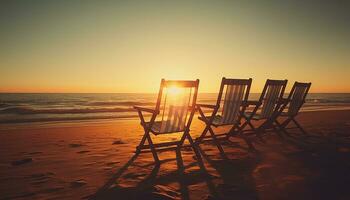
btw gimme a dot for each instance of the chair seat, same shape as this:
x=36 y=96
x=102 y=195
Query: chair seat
x=257 y=116
x=218 y=120
x=156 y=128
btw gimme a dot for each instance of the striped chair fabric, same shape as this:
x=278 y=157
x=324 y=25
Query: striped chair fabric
x=174 y=111
x=231 y=105
x=297 y=99
x=270 y=100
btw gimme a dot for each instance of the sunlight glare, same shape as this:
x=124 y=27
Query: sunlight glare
x=174 y=90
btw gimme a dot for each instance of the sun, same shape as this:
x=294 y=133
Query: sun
x=174 y=90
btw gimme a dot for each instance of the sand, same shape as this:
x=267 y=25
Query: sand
x=94 y=160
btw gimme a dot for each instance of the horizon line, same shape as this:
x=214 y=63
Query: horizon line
x=142 y=92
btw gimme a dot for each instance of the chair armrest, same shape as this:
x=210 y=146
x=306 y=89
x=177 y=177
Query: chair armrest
x=150 y=110
x=248 y=103
x=206 y=106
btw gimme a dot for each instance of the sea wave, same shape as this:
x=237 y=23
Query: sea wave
x=17 y=108
x=28 y=110
x=119 y=103
x=61 y=119
x=319 y=100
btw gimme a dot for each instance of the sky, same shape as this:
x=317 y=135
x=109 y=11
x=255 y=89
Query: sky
x=128 y=46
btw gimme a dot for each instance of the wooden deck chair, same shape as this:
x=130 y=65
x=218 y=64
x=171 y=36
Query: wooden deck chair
x=266 y=107
x=232 y=96
x=173 y=113
x=293 y=103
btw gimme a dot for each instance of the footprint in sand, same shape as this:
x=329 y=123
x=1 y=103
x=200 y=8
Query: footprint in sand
x=40 y=178
x=118 y=141
x=112 y=163
x=35 y=153
x=80 y=152
x=75 y=145
x=77 y=183
x=264 y=170
x=53 y=189
x=134 y=175
x=41 y=175
x=21 y=161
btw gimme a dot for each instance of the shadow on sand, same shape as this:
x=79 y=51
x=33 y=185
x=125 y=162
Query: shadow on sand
x=234 y=180
x=328 y=156
x=152 y=187
x=321 y=162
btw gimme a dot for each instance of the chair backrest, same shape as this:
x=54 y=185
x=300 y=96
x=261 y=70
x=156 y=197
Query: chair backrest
x=297 y=96
x=272 y=93
x=176 y=101
x=231 y=95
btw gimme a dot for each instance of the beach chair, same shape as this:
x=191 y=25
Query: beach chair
x=232 y=96
x=173 y=113
x=265 y=108
x=293 y=103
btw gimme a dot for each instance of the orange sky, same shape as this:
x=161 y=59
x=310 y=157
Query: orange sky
x=127 y=46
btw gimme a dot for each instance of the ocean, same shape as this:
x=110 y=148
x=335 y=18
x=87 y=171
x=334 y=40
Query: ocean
x=48 y=107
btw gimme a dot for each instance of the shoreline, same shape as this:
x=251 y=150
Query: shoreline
x=74 y=122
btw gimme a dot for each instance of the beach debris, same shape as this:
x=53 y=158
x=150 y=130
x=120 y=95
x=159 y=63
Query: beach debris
x=22 y=161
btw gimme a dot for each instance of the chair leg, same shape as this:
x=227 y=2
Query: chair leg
x=254 y=130
x=153 y=150
x=217 y=143
x=232 y=131
x=193 y=145
x=268 y=124
x=147 y=137
x=142 y=142
x=286 y=122
x=251 y=126
x=257 y=131
x=200 y=138
x=281 y=128
x=277 y=130
x=198 y=155
x=299 y=126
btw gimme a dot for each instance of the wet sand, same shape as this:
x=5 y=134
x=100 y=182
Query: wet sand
x=95 y=160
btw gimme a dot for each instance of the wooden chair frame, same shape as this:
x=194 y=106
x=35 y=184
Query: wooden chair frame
x=215 y=108
x=291 y=118
x=147 y=126
x=268 y=122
